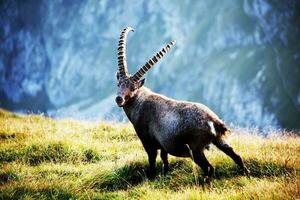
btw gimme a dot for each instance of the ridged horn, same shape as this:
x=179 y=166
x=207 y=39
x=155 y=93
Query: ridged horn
x=122 y=63
x=138 y=75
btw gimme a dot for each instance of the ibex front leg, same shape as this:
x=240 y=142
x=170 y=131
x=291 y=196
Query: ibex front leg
x=152 y=153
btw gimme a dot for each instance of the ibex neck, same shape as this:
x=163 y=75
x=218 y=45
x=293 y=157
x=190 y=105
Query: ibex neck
x=134 y=105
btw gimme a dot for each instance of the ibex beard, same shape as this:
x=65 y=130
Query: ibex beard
x=178 y=128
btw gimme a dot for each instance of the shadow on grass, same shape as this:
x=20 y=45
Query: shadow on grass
x=44 y=193
x=257 y=169
x=5 y=136
x=180 y=174
x=8 y=176
x=122 y=178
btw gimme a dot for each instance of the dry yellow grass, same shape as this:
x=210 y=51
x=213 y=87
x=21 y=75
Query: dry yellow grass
x=41 y=158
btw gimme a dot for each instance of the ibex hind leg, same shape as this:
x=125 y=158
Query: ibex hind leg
x=223 y=146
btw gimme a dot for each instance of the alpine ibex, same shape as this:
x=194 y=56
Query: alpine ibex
x=179 y=128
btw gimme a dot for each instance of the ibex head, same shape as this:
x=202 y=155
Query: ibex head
x=127 y=84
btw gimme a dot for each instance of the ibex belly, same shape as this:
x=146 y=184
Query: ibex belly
x=175 y=139
x=179 y=146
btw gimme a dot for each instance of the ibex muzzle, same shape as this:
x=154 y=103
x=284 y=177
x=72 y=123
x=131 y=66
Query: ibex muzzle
x=175 y=127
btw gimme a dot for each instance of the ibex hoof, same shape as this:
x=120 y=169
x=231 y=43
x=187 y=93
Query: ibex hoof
x=150 y=175
x=207 y=179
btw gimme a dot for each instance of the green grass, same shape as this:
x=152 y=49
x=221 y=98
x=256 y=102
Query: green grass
x=41 y=158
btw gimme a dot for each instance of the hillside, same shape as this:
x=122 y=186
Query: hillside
x=61 y=58
x=42 y=158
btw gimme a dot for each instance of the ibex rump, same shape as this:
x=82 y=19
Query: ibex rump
x=179 y=128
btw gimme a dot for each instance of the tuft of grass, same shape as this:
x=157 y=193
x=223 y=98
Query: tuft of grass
x=39 y=193
x=42 y=158
x=56 y=152
x=35 y=154
x=122 y=178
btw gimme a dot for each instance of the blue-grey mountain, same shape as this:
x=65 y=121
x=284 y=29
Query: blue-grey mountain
x=241 y=58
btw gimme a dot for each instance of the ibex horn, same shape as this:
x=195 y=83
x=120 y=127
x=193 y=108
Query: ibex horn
x=122 y=63
x=138 y=75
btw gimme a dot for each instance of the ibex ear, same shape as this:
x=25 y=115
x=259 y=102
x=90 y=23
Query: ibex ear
x=141 y=82
x=117 y=75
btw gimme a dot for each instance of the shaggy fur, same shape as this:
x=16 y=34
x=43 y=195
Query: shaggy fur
x=178 y=128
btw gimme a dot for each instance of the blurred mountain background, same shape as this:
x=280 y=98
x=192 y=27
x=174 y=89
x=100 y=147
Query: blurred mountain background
x=240 y=58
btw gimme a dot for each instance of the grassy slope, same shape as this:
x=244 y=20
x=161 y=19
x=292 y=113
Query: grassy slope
x=42 y=158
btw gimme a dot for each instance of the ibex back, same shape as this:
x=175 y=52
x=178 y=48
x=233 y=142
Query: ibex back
x=178 y=128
